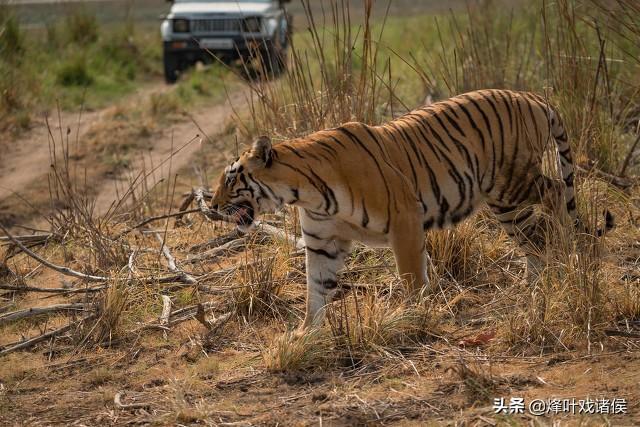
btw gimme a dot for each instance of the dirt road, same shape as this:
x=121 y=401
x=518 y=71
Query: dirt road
x=25 y=164
x=27 y=158
x=173 y=150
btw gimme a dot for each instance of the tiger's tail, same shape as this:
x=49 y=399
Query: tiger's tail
x=568 y=169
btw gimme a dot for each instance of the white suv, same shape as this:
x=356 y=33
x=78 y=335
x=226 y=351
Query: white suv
x=195 y=30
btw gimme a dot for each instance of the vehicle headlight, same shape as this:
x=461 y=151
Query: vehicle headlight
x=251 y=25
x=180 y=25
x=270 y=25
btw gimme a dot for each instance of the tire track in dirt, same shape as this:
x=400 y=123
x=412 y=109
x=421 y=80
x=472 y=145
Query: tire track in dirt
x=171 y=151
x=27 y=159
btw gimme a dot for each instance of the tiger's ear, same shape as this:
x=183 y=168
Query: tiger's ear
x=261 y=152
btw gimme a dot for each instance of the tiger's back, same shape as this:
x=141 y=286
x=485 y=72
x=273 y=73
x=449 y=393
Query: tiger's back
x=443 y=160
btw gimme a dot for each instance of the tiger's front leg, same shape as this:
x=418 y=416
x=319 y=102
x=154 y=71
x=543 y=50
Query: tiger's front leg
x=324 y=259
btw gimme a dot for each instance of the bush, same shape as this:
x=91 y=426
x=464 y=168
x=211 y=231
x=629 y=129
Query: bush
x=74 y=72
x=11 y=40
x=82 y=27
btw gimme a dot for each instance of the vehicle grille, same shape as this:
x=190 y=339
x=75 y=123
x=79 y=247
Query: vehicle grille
x=216 y=26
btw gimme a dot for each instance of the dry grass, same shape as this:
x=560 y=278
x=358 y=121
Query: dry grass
x=378 y=358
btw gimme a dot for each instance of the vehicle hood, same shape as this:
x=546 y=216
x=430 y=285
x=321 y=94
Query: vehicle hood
x=231 y=7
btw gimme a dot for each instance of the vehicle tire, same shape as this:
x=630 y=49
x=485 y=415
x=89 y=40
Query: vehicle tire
x=171 y=67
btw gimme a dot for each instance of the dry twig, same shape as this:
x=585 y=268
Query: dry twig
x=155 y=218
x=214 y=323
x=117 y=400
x=618 y=181
x=198 y=195
x=64 y=270
x=166 y=313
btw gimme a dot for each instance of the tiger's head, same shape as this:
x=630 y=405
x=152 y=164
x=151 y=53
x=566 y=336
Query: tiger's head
x=240 y=194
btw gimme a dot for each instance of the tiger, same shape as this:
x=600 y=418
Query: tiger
x=386 y=185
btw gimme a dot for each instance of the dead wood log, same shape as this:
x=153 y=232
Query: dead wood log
x=36 y=311
x=33 y=341
x=64 y=270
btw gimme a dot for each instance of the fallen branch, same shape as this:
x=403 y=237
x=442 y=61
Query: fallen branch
x=29 y=239
x=178 y=277
x=166 y=313
x=198 y=196
x=616 y=333
x=33 y=341
x=178 y=316
x=214 y=324
x=620 y=182
x=226 y=249
x=171 y=262
x=281 y=234
x=130 y=266
x=51 y=290
x=117 y=400
x=36 y=311
x=218 y=241
x=64 y=270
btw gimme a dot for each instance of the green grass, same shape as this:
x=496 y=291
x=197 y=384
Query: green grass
x=74 y=62
x=78 y=62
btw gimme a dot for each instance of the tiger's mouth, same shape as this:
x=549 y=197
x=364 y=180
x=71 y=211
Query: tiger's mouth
x=243 y=214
